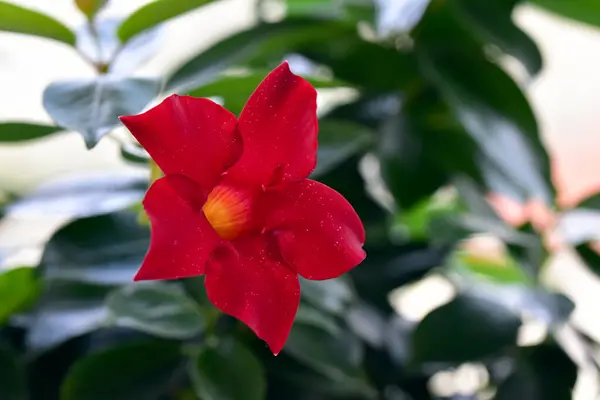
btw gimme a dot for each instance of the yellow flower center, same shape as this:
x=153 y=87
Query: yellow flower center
x=228 y=211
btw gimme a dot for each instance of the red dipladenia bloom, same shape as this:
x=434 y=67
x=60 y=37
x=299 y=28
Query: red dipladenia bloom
x=235 y=203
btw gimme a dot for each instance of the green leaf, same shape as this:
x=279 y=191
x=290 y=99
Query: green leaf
x=274 y=40
x=82 y=195
x=19 y=287
x=468 y=328
x=592 y=202
x=332 y=295
x=228 y=371
x=586 y=11
x=158 y=309
x=155 y=13
x=138 y=371
x=12 y=378
x=589 y=256
x=92 y=106
x=308 y=315
x=134 y=153
x=235 y=89
x=543 y=372
x=491 y=108
x=337 y=357
x=106 y=249
x=17 y=19
x=23 y=131
x=492 y=21
x=338 y=141
x=90 y=7
x=64 y=311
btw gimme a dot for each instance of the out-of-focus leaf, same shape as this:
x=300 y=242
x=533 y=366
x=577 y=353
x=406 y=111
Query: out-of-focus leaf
x=12 y=378
x=338 y=141
x=468 y=328
x=132 y=371
x=395 y=17
x=274 y=40
x=64 y=311
x=592 y=202
x=589 y=256
x=82 y=195
x=158 y=309
x=367 y=323
x=134 y=153
x=336 y=357
x=106 y=249
x=92 y=106
x=228 y=371
x=90 y=7
x=332 y=295
x=235 y=89
x=23 y=131
x=502 y=270
x=14 y=18
x=313 y=8
x=19 y=287
x=586 y=11
x=155 y=13
x=579 y=226
x=492 y=21
x=543 y=372
x=490 y=106
x=308 y=315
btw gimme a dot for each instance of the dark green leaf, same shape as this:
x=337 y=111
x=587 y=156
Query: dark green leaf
x=468 y=328
x=492 y=20
x=589 y=256
x=544 y=372
x=22 y=131
x=19 y=287
x=155 y=13
x=158 y=309
x=90 y=7
x=490 y=106
x=274 y=40
x=586 y=11
x=308 y=315
x=134 y=153
x=338 y=141
x=138 y=371
x=332 y=295
x=92 y=106
x=228 y=371
x=235 y=89
x=12 y=377
x=64 y=311
x=17 y=19
x=337 y=357
x=82 y=195
x=592 y=202
x=106 y=249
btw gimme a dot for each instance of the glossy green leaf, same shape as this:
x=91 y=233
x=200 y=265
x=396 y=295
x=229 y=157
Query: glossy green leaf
x=586 y=11
x=159 y=309
x=492 y=21
x=227 y=371
x=82 y=195
x=12 y=377
x=234 y=90
x=155 y=13
x=468 y=328
x=18 y=19
x=19 y=287
x=337 y=357
x=543 y=372
x=272 y=40
x=140 y=371
x=23 y=131
x=92 y=106
x=66 y=310
x=106 y=249
x=332 y=295
x=309 y=315
x=90 y=7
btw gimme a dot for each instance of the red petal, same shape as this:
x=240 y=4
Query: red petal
x=181 y=238
x=279 y=130
x=318 y=231
x=188 y=136
x=249 y=281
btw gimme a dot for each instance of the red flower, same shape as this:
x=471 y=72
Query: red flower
x=235 y=203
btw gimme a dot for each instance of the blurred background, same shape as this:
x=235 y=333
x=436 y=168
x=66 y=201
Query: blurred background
x=463 y=132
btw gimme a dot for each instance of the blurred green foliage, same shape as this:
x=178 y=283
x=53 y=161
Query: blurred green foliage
x=434 y=119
